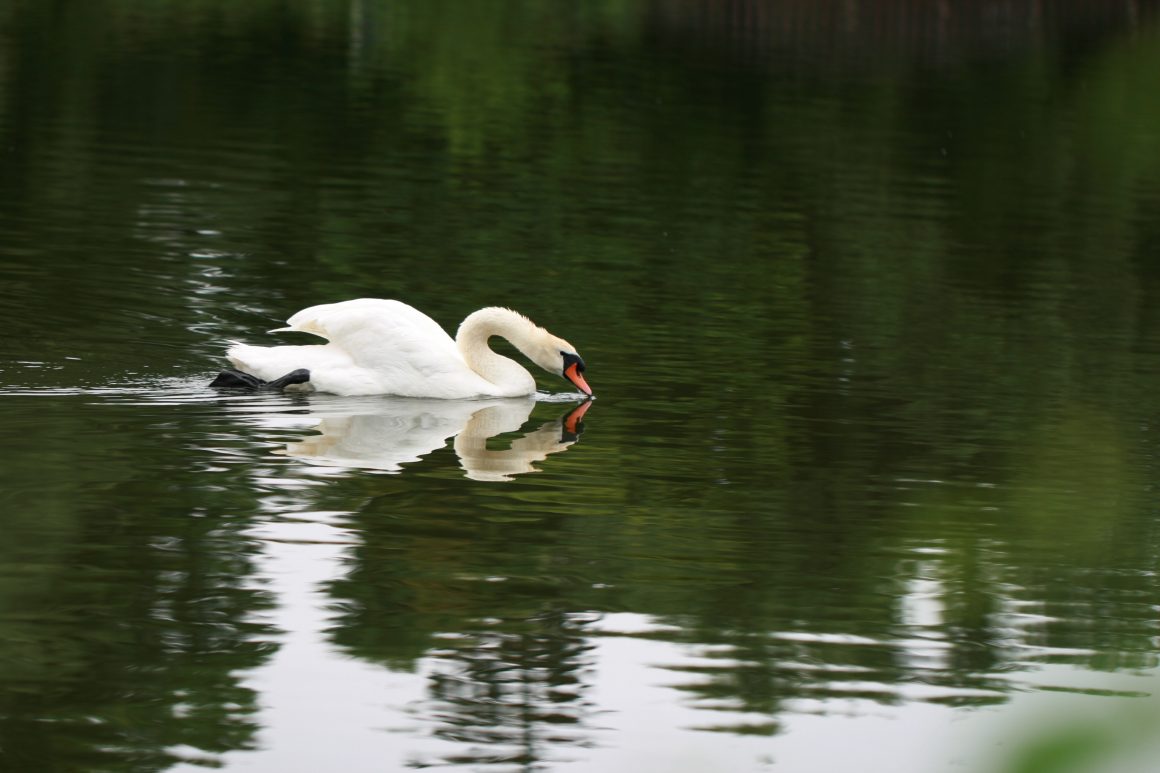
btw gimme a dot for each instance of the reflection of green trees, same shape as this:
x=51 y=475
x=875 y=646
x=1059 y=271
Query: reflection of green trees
x=478 y=593
x=380 y=149
x=514 y=691
x=125 y=613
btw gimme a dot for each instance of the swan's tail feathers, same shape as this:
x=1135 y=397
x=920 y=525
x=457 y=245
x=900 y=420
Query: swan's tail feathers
x=270 y=363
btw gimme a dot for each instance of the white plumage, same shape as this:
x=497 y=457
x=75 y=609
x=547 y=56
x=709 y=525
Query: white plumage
x=380 y=346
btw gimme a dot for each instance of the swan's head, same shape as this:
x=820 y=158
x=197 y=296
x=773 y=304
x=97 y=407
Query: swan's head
x=556 y=355
x=550 y=352
x=574 y=371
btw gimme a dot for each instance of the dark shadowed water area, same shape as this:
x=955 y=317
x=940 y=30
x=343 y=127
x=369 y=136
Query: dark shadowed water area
x=869 y=294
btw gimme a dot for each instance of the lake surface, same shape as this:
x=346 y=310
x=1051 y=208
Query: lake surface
x=869 y=297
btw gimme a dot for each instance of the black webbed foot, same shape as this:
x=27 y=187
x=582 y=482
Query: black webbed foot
x=236 y=379
x=300 y=376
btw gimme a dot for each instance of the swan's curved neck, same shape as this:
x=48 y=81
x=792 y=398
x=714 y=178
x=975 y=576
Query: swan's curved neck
x=509 y=377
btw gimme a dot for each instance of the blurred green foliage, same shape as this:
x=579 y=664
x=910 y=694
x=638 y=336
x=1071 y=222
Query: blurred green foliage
x=846 y=297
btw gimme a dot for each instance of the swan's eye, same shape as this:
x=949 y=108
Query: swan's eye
x=573 y=371
x=571 y=359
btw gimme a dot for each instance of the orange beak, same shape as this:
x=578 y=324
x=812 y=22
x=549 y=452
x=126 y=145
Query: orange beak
x=572 y=373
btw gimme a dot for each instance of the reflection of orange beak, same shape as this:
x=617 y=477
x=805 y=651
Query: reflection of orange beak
x=572 y=373
x=572 y=422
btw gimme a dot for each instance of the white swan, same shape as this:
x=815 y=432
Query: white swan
x=387 y=347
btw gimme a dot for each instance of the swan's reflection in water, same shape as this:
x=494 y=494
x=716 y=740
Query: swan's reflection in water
x=400 y=431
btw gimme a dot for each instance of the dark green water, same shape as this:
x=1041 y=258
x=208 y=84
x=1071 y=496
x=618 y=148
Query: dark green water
x=868 y=297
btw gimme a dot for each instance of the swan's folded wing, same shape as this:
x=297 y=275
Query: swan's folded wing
x=388 y=336
x=330 y=319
